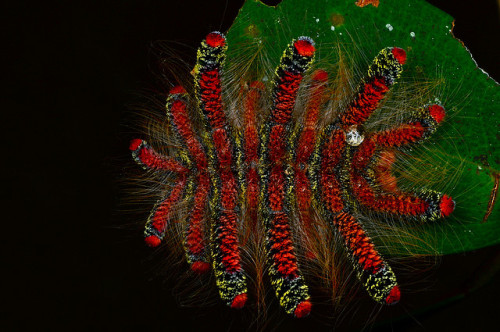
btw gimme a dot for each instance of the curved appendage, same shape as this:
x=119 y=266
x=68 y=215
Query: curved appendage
x=145 y=156
x=226 y=258
x=373 y=272
x=289 y=285
x=159 y=216
x=421 y=126
x=148 y=158
x=195 y=241
x=382 y=74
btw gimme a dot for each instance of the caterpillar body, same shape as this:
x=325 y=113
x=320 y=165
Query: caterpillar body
x=280 y=176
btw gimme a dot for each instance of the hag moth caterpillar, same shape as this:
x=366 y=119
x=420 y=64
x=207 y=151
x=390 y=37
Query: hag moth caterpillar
x=272 y=175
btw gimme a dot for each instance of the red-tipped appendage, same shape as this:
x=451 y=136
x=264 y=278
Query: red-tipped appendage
x=437 y=112
x=304 y=46
x=410 y=132
x=394 y=296
x=399 y=54
x=239 y=301
x=303 y=309
x=287 y=84
x=135 y=143
x=215 y=39
x=373 y=91
x=210 y=98
x=157 y=222
x=145 y=155
x=152 y=241
x=447 y=205
x=200 y=267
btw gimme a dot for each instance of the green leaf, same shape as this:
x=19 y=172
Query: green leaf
x=464 y=153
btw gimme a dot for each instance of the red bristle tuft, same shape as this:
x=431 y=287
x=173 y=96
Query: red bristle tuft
x=399 y=54
x=200 y=267
x=303 y=309
x=152 y=241
x=305 y=46
x=437 y=112
x=447 y=205
x=239 y=301
x=215 y=39
x=394 y=296
x=135 y=143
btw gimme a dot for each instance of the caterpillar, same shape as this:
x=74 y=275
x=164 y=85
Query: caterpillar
x=278 y=167
x=257 y=172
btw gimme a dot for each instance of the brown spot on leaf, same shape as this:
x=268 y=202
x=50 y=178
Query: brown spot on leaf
x=337 y=19
x=252 y=30
x=362 y=3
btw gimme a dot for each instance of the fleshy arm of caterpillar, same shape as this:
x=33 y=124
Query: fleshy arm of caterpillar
x=385 y=69
x=148 y=158
x=159 y=216
x=372 y=271
x=422 y=125
x=176 y=109
x=195 y=242
x=288 y=283
x=226 y=259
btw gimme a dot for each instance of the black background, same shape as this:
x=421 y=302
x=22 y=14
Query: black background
x=71 y=69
